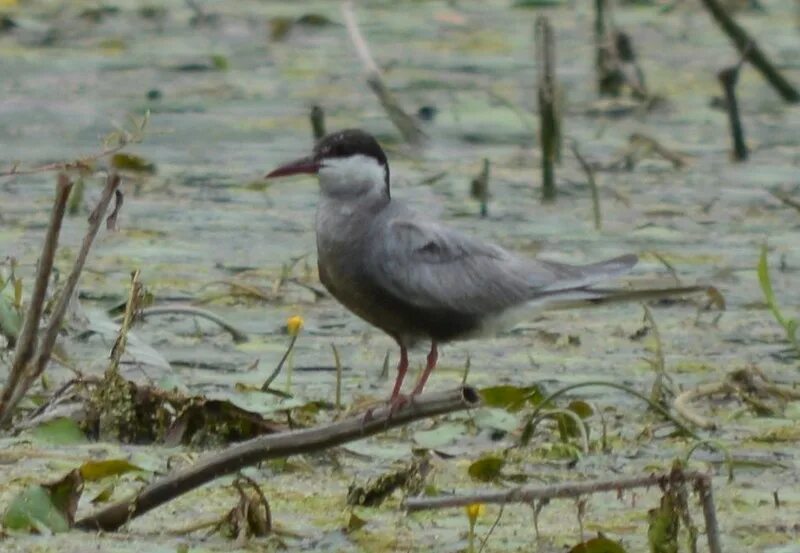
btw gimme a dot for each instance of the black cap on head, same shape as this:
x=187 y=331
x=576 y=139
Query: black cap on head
x=350 y=142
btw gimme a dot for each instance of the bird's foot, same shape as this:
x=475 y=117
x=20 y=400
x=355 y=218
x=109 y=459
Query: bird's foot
x=395 y=403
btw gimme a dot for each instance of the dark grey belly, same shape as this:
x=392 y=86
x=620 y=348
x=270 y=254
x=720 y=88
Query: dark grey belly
x=402 y=321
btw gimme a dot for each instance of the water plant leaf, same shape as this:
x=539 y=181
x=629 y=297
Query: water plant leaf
x=511 y=398
x=45 y=508
x=487 y=468
x=97 y=470
x=60 y=431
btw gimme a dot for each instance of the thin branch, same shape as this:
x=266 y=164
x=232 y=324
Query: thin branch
x=682 y=401
x=277 y=445
x=549 y=131
x=26 y=343
x=528 y=495
x=238 y=336
x=271 y=378
x=598 y=218
x=123 y=138
x=39 y=363
x=748 y=47
x=405 y=123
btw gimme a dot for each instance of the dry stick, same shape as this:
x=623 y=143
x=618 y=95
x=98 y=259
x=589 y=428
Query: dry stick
x=528 y=495
x=479 y=188
x=786 y=199
x=317 y=117
x=609 y=78
x=26 y=342
x=548 y=123
x=273 y=446
x=238 y=336
x=677 y=159
x=598 y=218
x=634 y=76
x=728 y=78
x=750 y=50
x=682 y=401
x=60 y=308
x=404 y=122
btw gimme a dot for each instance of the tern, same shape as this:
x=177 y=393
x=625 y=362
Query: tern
x=418 y=279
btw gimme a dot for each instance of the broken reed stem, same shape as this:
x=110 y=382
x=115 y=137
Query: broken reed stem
x=728 y=78
x=39 y=363
x=131 y=307
x=528 y=495
x=479 y=188
x=338 y=362
x=273 y=446
x=26 y=342
x=751 y=51
x=548 y=116
x=317 y=117
x=609 y=77
x=598 y=217
x=404 y=122
x=627 y=56
x=238 y=336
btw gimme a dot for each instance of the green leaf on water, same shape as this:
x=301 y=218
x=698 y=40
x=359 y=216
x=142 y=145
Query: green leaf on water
x=132 y=163
x=97 y=470
x=60 y=431
x=511 y=398
x=663 y=526
x=486 y=469
x=45 y=508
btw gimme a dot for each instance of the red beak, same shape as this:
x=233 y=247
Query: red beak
x=304 y=165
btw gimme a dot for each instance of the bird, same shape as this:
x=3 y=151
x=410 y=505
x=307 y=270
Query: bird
x=417 y=279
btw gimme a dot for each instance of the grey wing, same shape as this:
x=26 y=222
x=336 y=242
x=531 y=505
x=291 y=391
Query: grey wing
x=431 y=266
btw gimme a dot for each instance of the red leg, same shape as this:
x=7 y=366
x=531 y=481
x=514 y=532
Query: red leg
x=402 y=368
x=433 y=356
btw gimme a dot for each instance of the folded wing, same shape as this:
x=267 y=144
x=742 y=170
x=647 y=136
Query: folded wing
x=435 y=267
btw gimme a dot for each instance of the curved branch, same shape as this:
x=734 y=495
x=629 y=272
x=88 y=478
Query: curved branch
x=237 y=335
x=277 y=445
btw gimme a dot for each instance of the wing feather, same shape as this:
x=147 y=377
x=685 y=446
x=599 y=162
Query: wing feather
x=435 y=267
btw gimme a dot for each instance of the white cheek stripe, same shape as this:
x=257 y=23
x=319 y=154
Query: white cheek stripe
x=353 y=171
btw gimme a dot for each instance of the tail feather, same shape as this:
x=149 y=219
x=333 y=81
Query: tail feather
x=584 y=297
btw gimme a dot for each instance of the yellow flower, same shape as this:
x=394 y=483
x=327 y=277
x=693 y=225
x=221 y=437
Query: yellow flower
x=294 y=324
x=474 y=510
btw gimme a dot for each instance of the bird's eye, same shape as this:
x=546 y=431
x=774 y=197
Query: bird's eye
x=430 y=247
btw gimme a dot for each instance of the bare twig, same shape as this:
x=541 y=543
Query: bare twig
x=749 y=49
x=238 y=336
x=682 y=401
x=26 y=342
x=405 y=123
x=273 y=446
x=271 y=378
x=122 y=139
x=786 y=199
x=677 y=159
x=528 y=495
x=728 y=78
x=549 y=132
x=479 y=188
x=131 y=307
x=39 y=363
x=598 y=217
